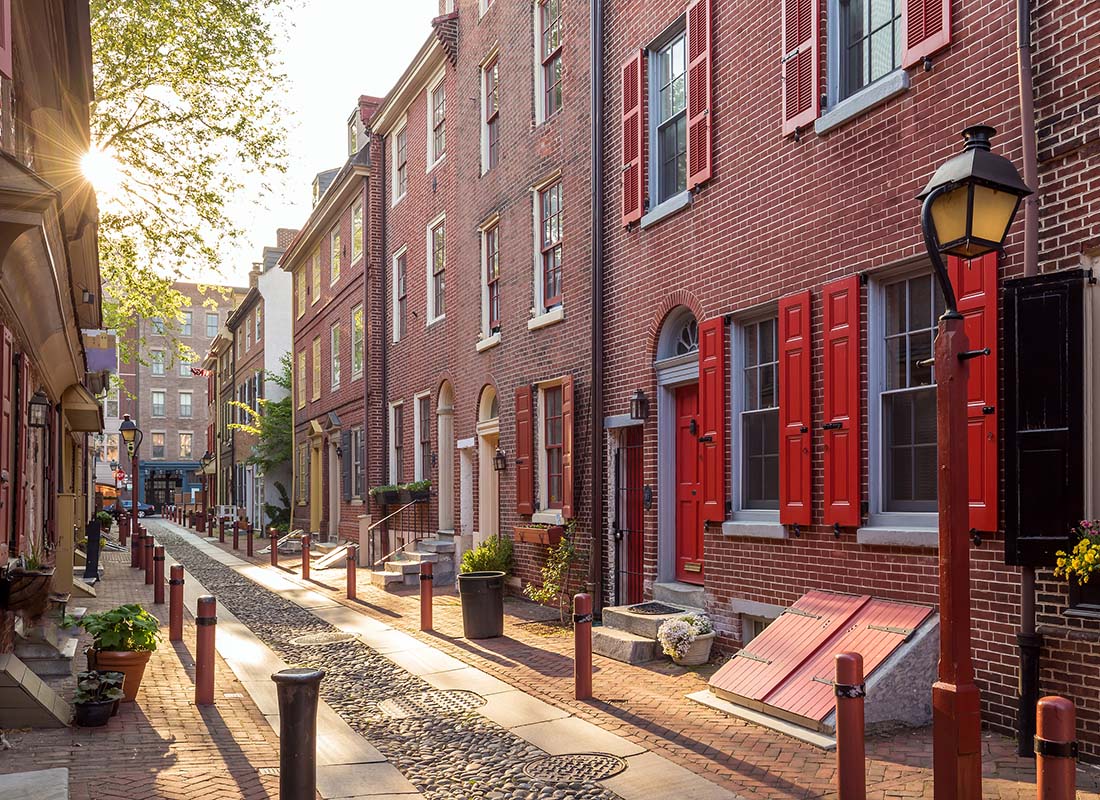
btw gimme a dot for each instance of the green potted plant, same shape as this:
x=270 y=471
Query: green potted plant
x=687 y=639
x=123 y=639
x=417 y=490
x=105 y=521
x=386 y=495
x=25 y=586
x=481 y=587
x=97 y=696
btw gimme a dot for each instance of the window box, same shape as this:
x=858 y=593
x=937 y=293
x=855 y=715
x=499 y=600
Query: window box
x=548 y=535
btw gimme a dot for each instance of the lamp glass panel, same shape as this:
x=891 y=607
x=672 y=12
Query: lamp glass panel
x=949 y=215
x=993 y=212
x=127 y=434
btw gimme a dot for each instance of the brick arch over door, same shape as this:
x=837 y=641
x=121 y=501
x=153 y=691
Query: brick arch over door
x=681 y=298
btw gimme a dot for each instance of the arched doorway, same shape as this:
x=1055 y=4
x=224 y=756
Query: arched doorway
x=488 y=439
x=445 y=436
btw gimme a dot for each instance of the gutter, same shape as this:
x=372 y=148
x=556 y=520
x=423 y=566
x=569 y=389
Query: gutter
x=595 y=577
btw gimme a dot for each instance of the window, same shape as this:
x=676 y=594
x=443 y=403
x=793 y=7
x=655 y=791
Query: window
x=185 y=369
x=335 y=254
x=550 y=244
x=356 y=462
x=158 y=445
x=185 y=445
x=316 y=394
x=668 y=134
x=870 y=41
x=484 y=6
x=491 y=246
x=437 y=122
x=357 y=341
x=302 y=472
x=437 y=270
x=158 y=403
x=550 y=37
x=211 y=324
x=400 y=296
x=156 y=362
x=356 y=232
x=240 y=342
x=553 y=442
x=110 y=448
x=110 y=404
x=400 y=164
x=759 y=416
x=490 y=132
x=300 y=379
x=316 y=276
x=185 y=405
x=186 y=329
x=334 y=353
x=300 y=292
x=257 y=321
x=907 y=398
x=751 y=627
x=157 y=325
x=423 y=467
x=247 y=336
x=397 y=438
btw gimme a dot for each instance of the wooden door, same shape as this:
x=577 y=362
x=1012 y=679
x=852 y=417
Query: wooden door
x=689 y=487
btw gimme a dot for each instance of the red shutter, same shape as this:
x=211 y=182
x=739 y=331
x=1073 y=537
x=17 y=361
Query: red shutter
x=7 y=375
x=5 y=39
x=925 y=28
x=21 y=477
x=975 y=284
x=698 y=93
x=795 y=420
x=567 y=447
x=842 y=433
x=712 y=411
x=525 y=452
x=801 y=68
x=633 y=133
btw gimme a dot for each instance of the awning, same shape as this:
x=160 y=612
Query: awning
x=82 y=411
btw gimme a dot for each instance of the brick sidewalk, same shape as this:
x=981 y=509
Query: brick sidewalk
x=162 y=745
x=647 y=704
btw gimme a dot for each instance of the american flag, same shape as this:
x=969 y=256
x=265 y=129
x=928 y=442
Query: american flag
x=205 y=373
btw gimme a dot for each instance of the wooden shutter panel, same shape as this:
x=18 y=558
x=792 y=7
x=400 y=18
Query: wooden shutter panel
x=5 y=40
x=975 y=285
x=345 y=464
x=22 y=395
x=633 y=138
x=525 y=452
x=698 y=93
x=567 y=447
x=712 y=412
x=7 y=398
x=925 y=28
x=842 y=432
x=795 y=412
x=1044 y=329
x=359 y=481
x=800 y=64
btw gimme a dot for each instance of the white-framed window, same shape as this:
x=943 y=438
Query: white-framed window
x=185 y=405
x=548 y=53
x=490 y=277
x=336 y=255
x=185 y=329
x=400 y=293
x=257 y=320
x=185 y=445
x=184 y=368
x=211 y=324
x=437 y=121
x=247 y=335
x=547 y=200
x=865 y=44
x=156 y=363
x=397 y=442
x=300 y=291
x=355 y=442
x=357 y=232
x=483 y=6
x=157 y=443
x=437 y=268
x=158 y=399
x=357 y=342
x=110 y=403
x=240 y=343
x=316 y=394
x=400 y=163
x=157 y=325
x=422 y=433
x=490 y=113
x=550 y=447
x=316 y=267
x=668 y=115
x=903 y=309
x=754 y=396
x=334 y=353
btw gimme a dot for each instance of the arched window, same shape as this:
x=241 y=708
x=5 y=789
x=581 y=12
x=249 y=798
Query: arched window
x=679 y=334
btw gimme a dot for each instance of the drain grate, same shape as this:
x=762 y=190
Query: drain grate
x=574 y=767
x=433 y=702
x=654 y=608
x=321 y=639
x=269 y=771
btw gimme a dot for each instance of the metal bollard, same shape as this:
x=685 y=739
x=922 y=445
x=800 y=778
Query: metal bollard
x=150 y=543
x=200 y=523
x=298 y=690
x=274 y=534
x=582 y=647
x=123 y=530
x=206 y=621
x=352 y=556
x=851 y=769
x=158 y=574
x=305 y=556
x=175 y=603
x=1056 y=749
x=221 y=530
x=135 y=543
x=236 y=534
x=248 y=539
x=427 y=584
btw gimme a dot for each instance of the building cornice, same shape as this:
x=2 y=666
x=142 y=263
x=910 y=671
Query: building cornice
x=426 y=66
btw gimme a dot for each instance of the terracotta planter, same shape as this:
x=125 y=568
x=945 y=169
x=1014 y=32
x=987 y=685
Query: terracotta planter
x=698 y=653
x=130 y=663
x=545 y=536
x=28 y=592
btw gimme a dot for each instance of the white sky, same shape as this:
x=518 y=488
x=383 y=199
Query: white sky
x=338 y=50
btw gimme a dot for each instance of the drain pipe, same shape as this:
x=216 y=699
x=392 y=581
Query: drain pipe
x=1027 y=639
x=595 y=577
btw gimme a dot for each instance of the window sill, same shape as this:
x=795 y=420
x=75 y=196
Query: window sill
x=863 y=101
x=488 y=343
x=356 y=501
x=898 y=537
x=436 y=163
x=752 y=529
x=677 y=202
x=1078 y=612
x=551 y=317
x=434 y=320
x=551 y=517
x=397 y=200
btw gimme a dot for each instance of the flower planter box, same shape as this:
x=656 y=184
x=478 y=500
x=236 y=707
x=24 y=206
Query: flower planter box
x=533 y=535
x=698 y=653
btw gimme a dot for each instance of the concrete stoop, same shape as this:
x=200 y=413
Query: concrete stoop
x=629 y=636
x=47 y=648
x=42 y=784
x=27 y=702
x=403 y=569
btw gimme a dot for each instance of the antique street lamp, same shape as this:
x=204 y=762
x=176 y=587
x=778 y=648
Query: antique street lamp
x=967 y=209
x=206 y=460
x=639 y=406
x=500 y=460
x=38 y=410
x=132 y=435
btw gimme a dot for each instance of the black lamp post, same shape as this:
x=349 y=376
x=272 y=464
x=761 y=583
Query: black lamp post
x=500 y=460
x=968 y=207
x=131 y=434
x=206 y=460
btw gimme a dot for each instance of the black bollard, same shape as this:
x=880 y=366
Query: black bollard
x=298 y=689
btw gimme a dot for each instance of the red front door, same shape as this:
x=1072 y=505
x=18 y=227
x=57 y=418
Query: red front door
x=689 y=487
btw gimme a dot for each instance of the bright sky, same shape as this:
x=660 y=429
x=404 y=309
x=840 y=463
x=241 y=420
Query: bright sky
x=339 y=49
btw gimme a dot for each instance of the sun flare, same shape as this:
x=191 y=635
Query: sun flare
x=102 y=170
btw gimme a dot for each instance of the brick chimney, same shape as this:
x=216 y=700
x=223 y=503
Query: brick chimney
x=254 y=275
x=284 y=236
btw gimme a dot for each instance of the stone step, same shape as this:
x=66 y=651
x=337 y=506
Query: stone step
x=384 y=580
x=645 y=625
x=436 y=545
x=43 y=784
x=45 y=660
x=623 y=646
x=676 y=593
x=416 y=556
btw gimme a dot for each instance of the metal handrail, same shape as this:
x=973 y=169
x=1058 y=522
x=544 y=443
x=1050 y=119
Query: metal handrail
x=374 y=562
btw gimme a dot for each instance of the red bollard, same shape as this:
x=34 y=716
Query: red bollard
x=236 y=534
x=353 y=557
x=200 y=523
x=136 y=549
x=274 y=533
x=123 y=530
x=175 y=604
x=851 y=767
x=305 y=556
x=158 y=574
x=248 y=539
x=427 y=583
x=1056 y=749
x=206 y=621
x=582 y=647
x=149 y=545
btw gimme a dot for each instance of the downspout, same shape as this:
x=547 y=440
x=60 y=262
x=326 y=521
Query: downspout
x=1029 y=642
x=596 y=171
x=384 y=274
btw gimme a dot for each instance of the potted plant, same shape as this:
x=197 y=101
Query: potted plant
x=386 y=495
x=123 y=639
x=26 y=585
x=687 y=639
x=105 y=521
x=1083 y=560
x=481 y=587
x=417 y=490
x=97 y=696
x=539 y=533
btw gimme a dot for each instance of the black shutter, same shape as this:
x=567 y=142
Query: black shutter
x=345 y=463
x=1044 y=421
x=360 y=478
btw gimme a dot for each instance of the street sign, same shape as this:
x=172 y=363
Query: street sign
x=119 y=475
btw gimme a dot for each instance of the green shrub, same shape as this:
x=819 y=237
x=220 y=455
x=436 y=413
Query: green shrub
x=126 y=628
x=492 y=555
x=97 y=687
x=105 y=521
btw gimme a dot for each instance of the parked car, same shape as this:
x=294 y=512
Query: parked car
x=144 y=509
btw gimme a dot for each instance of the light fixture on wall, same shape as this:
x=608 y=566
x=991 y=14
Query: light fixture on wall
x=500 y=460
x=38 y=410
x=639 y=406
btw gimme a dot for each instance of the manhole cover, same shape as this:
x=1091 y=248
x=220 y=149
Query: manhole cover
x=574 y=767
x=430 y=703
x=654 y=608
x=318 y=639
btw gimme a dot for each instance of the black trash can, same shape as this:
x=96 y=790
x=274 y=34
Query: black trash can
x=482 y=596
